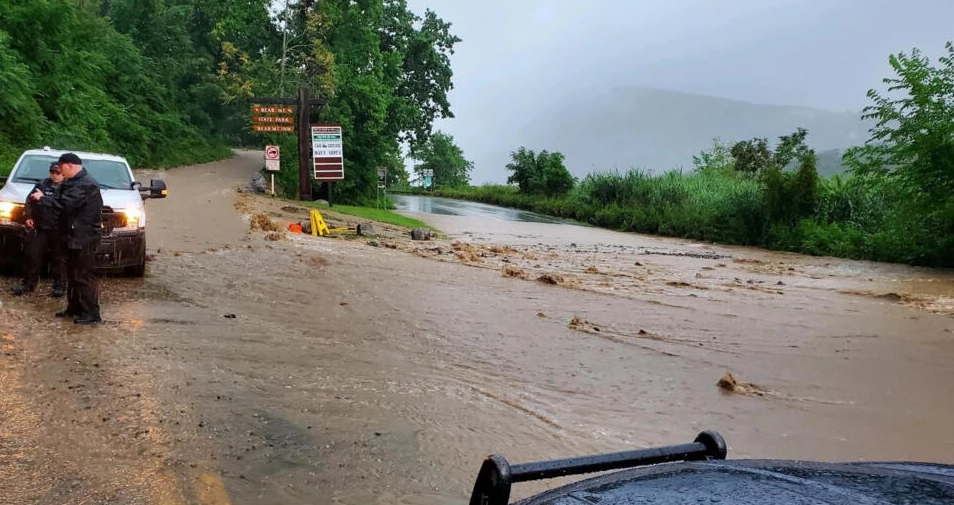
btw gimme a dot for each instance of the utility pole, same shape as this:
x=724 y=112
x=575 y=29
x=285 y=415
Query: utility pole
x=304 y=145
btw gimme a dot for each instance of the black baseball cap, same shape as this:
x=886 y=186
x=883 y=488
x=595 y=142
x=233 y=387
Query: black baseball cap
x=70 y=158
x=55 y=167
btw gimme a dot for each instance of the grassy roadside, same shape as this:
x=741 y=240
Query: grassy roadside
x=372 y=214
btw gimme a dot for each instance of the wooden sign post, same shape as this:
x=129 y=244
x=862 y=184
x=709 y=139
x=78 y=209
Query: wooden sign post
x=282 y=120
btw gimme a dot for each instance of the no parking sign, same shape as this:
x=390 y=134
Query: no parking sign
x=272 y=158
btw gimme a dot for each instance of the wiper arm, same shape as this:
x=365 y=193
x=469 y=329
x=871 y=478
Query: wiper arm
x=27 y=179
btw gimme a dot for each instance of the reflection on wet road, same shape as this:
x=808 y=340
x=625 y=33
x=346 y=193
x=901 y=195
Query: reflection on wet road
x=313 y=370
x=449 y=207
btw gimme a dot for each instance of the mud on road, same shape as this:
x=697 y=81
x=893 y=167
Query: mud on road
x=315 y=370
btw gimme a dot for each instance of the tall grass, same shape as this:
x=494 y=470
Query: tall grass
x=697 y=206
x=848 y=217
x=702 y=207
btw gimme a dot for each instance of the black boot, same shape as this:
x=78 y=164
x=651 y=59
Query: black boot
x=58 y=291
x=87 y=319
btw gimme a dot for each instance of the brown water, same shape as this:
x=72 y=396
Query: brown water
x=359 y=374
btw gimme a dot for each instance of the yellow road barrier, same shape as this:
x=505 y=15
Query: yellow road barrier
x=320 y=228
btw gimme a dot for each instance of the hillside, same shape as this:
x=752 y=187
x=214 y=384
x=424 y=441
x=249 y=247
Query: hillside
x=829 y=162
x=660 y=130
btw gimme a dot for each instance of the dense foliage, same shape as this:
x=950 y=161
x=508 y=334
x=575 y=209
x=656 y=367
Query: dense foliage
x=445 y=160
x=168 y=82
x=69 y=78
x=384 y=71
x=895 y=204
x=542 y=173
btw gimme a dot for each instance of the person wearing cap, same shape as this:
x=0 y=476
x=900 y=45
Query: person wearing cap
x=45 y=240
x=80 y=207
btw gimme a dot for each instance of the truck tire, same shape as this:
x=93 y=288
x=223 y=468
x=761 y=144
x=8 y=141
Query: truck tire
x=138 y=270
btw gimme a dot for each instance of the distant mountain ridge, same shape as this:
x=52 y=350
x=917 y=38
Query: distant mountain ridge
x=659 y=130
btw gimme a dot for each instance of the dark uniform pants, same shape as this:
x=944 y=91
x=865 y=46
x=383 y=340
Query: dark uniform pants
x=39 y=243
x=83 y=293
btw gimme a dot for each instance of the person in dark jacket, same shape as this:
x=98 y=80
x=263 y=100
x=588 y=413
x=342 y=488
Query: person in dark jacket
x=80 y=207
x=44 y=239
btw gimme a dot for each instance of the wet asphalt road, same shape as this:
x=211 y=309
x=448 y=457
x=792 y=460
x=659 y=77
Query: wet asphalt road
x=476 y=210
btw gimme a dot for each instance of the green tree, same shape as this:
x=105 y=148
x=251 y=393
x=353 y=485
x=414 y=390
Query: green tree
x=391 y=77
x=540 y=174
x=421 y=48
x=440 y=154
x=23 y=118
x=912 y=149
x=362 y=94
x=523 y=164
x=717 y=159
x=789 y=196
x=92 y=88
x=751 y=156
x=804 y=186
x=913 y=140
x=397 y=176
x=755 y=156
x=791 y=147
x=557 y=180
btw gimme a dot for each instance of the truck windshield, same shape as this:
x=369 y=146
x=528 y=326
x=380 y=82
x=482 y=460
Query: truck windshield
x=109 y=174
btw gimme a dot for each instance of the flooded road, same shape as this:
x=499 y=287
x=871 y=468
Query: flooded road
x=318 y=370
x=572 y=246
x=449 y=207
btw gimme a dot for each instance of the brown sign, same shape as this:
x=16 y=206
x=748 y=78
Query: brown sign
x=329 y=172
x=272 y=110
x=274 y=119
x=267 y=128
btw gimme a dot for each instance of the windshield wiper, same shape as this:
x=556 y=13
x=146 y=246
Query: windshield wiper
x=27 y=179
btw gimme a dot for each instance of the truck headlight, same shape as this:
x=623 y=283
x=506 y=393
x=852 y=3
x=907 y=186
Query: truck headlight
x=10 y=212
x=133 y=216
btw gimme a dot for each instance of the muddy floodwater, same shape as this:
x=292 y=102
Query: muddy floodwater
x=253 y=367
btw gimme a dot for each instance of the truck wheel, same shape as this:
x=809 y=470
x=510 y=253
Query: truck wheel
x=136 y=270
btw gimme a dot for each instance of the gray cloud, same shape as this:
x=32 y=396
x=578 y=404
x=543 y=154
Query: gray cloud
x=521 y=60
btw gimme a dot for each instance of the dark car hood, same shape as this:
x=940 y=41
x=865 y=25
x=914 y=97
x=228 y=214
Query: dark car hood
x=738 y=482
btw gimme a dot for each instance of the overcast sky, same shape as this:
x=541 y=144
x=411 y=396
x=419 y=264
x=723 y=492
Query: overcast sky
x=522 y=56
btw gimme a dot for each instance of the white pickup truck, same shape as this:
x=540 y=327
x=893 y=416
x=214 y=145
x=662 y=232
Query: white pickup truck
x=123 y=246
